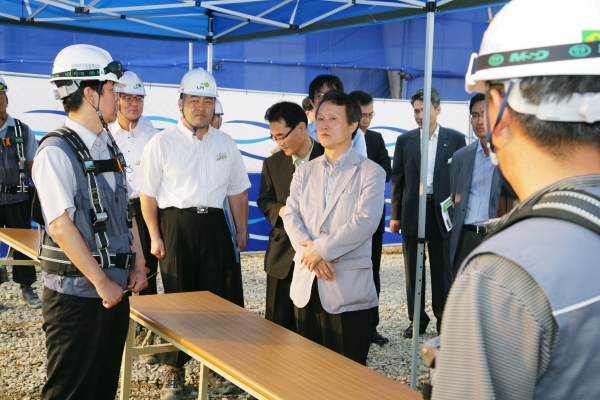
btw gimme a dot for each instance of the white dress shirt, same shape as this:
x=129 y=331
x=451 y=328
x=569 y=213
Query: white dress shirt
x=132 y=143
x=181 y=171
x=431 y=153
x=359 y=143
x=53 y=172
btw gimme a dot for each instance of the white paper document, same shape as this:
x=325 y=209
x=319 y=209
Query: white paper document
x=446 y=206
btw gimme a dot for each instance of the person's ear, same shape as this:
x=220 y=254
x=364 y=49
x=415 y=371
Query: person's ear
x=500 y=132
x=180 y=105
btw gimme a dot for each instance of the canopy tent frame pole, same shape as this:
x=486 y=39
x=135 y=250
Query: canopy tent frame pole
x=430 y=9
x=190 y=56
x=210 y=40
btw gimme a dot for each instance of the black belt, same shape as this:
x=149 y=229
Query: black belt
x=477 y=229
x=430 y=197
x=198 y=210
x=13 y=189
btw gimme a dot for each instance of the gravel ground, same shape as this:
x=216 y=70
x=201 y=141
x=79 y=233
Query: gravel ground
x=23 y=353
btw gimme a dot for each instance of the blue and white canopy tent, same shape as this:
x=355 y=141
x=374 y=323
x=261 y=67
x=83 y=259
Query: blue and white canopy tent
x=222 y=21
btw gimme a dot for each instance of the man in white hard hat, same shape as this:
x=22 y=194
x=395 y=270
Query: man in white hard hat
x=132 y=131
x=522 y=319
x=18 y=149
x=217 y=119
x=190 y=172
x=87 y=256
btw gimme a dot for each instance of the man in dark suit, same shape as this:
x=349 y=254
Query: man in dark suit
x=376 y=152
x=443 y=142
x=476 y=190
x=287 y=123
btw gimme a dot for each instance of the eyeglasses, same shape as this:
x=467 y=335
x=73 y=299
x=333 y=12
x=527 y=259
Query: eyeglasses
x=130 y=99
x=3 y=87
x=114 y=66
x=477 y=115
x=282 y=138
x=370 y=116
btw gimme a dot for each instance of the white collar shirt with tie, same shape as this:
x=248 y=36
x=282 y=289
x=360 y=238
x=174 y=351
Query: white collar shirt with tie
x=431 y=154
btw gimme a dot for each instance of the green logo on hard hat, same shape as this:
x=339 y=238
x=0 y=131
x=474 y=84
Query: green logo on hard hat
x=496 y=60
x=590 y=36
x=206 y=84
x=580 y=50
x=521 y=56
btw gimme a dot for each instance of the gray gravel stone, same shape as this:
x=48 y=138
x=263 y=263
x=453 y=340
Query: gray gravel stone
x=23 y=352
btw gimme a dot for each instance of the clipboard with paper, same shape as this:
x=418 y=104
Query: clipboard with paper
x=231 y=226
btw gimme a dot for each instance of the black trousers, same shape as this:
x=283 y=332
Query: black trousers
x=441 y=271
x=376 y=249
x=85 y=344
x=280 y=307
x=18 y=215
x=468 y=241
x=199 y=255
x=151 y=260
x=348 y=333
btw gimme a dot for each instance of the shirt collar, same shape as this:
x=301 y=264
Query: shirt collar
x=88 y=137
x=339 y=163
x=295 y=157
x=9 y=122
x=189 y=133
x=435 y=133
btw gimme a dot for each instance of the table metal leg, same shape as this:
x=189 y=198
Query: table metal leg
x=127 y=362
x=203 y=384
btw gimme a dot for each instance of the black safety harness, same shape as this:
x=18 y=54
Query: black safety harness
x=52 y=258
x=17 y=141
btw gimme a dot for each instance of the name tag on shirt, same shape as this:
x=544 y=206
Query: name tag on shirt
x=221 y=156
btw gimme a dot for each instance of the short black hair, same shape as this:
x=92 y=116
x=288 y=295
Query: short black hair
x=435 y=97
x=324 y=80
x=477 y=98
x=353 y=111
x=558 y=137
x=290 y=112
x=363 y=98
x=74 y=101
x=306 y=105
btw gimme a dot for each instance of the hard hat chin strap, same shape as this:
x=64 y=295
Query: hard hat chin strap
x=194 y=128
x=124 y=117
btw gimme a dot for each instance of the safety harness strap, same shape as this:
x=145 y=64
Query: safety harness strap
x=19 y=142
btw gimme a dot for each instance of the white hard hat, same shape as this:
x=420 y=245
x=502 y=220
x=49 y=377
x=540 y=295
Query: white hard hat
x=83 y=62
x=534 y=38
x=218 y=107
x=199 y=83
x=134 y=84
x=3 y=86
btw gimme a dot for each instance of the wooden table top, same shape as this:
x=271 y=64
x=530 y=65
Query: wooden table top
x=24 y=240
x=259 y=353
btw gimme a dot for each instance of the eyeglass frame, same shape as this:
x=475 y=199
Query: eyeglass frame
x=138 y=99
x=369 y=115
x=281 y=139
x=476 y=116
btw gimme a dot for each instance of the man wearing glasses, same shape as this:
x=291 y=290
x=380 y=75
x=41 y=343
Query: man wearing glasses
x=476 y=190
x=376 y=152
x=287 y=123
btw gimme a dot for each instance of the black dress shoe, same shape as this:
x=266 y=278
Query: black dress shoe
x=409 y=331
x=377 y=338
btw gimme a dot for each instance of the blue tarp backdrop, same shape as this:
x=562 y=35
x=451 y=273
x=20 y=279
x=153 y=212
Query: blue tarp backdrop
x=360 y=56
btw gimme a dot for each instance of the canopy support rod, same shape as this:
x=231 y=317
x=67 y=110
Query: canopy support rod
x=89 y=6
x=210 y=40
x=247 y=16
x=430 y=8
x=36 y=12
x=270 y=10
x=190 y=56
x=337 y=10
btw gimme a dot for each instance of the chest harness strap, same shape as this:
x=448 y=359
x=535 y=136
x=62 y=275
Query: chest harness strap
x=98 y=214
x=17 y=141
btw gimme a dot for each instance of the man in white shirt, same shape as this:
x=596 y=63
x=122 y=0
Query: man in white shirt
x=191 y=171
x=132 y=131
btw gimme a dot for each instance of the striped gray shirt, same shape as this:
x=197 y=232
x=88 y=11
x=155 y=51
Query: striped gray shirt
x=332 y=172
x=498 y=333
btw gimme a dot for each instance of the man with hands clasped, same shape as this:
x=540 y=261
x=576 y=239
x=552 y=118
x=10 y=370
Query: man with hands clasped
x=333 y=210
